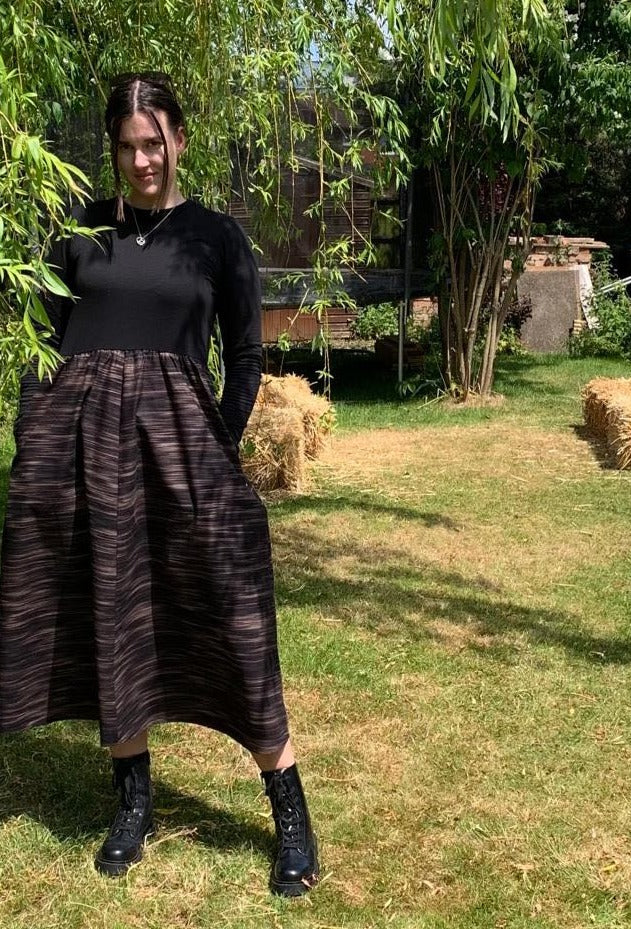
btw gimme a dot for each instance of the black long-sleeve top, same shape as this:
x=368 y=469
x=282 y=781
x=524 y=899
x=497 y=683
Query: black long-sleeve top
x=163 y=296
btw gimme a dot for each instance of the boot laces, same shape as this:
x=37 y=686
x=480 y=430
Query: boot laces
x=126 y=820
x=128 y=816
x=289 y=819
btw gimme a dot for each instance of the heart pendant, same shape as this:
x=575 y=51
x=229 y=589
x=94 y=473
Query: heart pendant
x=140 y=240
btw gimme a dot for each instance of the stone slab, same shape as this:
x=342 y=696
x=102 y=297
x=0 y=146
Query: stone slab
x=555 y=296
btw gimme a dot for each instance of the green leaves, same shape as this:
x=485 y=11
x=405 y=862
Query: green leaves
x=271 y=89
x=471 y=52
x=274 y=88
x=37 y=311
x=35 y=185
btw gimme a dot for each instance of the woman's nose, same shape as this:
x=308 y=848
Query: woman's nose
x=140 y=159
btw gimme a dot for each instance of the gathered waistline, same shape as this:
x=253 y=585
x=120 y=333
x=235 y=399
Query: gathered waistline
x=135 y=351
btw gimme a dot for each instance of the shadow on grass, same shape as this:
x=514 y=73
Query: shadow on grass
x=527 y=376
x=359 y=379
x=356 y=375
x=63 y=781
x=397 y=595
x=362 y=503
x=600 y=451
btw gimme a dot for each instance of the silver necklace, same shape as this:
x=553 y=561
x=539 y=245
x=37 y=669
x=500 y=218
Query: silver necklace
x=142 y=239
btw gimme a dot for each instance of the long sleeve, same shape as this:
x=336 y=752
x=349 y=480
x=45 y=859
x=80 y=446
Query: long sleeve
x=239 y=314
x=57 y=309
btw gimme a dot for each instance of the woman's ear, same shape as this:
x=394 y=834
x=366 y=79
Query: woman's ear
x=180 y=140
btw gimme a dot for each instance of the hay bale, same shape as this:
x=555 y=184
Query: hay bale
x=294 y=391
x=288 y=424
x=273 y=456
x=607 y=412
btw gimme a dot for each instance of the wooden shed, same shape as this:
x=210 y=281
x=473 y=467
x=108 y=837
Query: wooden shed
x=300 y=190
x=353 y=218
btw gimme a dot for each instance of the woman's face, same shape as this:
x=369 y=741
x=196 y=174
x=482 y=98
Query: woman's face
x=141 y=156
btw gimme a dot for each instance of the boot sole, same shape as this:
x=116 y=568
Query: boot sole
x=296 y=888
x=118 y=868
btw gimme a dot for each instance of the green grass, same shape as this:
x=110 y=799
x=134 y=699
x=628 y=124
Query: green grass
x=453 y=596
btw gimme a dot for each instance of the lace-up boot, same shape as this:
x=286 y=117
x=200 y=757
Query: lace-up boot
x=134 y=819
x=296 y=868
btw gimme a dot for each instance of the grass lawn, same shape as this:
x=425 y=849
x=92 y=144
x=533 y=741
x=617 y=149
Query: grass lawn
x=453 y=598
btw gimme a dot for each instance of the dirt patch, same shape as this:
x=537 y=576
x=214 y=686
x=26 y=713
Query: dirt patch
x=475 y=402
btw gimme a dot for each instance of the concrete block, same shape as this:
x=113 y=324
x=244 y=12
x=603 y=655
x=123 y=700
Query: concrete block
x=555 y=297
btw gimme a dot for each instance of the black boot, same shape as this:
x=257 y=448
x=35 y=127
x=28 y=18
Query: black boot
x=134 y=818
x=296 y=868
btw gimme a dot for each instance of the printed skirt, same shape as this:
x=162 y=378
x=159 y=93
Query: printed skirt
x=137 y=582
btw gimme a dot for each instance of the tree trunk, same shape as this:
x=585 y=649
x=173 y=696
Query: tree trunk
x=446 y=334
x=487 y=371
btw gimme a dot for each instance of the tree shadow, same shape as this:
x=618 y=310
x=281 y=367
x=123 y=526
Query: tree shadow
x=517 y=375
x=409 y=598
x=63 y=780
x=345 y=500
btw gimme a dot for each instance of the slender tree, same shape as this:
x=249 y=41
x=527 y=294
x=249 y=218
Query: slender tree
x=480 y=80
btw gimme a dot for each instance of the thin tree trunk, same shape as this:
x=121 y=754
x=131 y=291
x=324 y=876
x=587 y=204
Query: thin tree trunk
x=485 y=380
x=446 y=341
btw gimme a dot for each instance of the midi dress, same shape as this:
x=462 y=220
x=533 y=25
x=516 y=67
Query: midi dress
x=136 y=581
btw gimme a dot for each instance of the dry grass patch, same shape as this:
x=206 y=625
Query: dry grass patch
x=455 y=520
x=605 y=858
x=499 y=450
x=455 y=638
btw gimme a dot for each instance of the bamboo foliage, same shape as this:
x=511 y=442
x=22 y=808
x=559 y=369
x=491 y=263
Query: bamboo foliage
x=35 y=63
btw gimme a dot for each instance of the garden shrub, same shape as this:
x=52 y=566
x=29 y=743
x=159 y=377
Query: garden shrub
x=612 y=310
x=375 y=321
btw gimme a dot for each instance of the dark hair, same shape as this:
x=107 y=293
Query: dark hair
x=140 y=92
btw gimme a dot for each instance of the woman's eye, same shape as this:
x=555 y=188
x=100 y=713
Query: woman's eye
x=152 y=146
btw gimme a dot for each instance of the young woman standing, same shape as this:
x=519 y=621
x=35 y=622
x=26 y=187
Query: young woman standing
x=137 y=582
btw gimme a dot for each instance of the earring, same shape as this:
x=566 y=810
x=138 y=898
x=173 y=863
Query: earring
x=120 y=209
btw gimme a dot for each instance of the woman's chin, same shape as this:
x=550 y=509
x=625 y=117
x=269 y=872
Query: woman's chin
x=148 y=191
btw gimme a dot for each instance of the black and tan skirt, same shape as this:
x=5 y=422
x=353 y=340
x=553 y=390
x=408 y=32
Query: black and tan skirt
x=137 y=582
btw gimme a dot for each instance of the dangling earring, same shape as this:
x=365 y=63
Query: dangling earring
x=120 y=209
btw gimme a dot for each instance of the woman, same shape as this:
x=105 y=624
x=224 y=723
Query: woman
x=136 y=578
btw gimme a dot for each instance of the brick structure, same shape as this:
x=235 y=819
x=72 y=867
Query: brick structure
x=553 y=251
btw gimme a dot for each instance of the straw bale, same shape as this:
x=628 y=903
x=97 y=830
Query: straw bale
x=607 y=412
x=274 y=451
x=294 y=391
x=288 y=425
